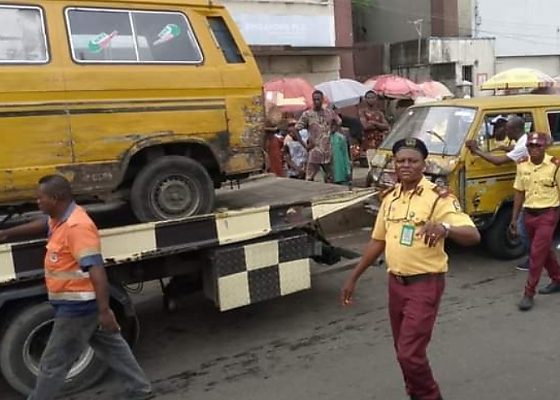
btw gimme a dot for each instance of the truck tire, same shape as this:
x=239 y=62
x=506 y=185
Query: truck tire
x=172 y=187
x=499 y=242
x=22 y=345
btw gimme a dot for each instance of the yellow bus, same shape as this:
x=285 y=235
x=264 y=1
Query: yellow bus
x=484 y=190
x=153 y=102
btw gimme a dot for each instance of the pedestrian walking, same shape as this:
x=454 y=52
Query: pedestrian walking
x=413 y=222
x=318 y=123
x=78 y=290
x=537 y=183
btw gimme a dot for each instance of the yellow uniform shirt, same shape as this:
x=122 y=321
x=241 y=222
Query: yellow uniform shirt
x=494 y=144
x=402 y=210
x=539 y=183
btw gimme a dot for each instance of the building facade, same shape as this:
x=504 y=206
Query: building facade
x=527 y=32
x=462 y=64
x=305 y=38
x=426 y=39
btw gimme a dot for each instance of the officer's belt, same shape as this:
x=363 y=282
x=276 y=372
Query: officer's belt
x=410 y=279
x=538 y=211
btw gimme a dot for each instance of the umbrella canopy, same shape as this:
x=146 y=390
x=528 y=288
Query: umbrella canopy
x=370 y=83
x=397 y=87
x=435 y=90
x=288 y=94
x=518 y=78
x=343 y=92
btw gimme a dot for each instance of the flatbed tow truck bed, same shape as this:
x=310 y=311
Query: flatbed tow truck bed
x=258 y=245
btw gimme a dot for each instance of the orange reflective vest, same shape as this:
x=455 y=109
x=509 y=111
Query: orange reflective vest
x=70 y=240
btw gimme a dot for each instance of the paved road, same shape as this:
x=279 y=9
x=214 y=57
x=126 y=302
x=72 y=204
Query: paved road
x=305 y=346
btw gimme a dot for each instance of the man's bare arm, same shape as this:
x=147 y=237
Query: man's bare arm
x=492 y=158
x=36 y=227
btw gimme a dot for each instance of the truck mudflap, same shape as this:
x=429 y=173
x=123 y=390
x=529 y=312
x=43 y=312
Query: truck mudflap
x=127 y=244
x=244 y=274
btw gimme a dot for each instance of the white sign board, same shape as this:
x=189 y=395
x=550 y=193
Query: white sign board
x=292 y=30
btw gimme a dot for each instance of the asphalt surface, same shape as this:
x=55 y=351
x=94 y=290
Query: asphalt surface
x=305 y=346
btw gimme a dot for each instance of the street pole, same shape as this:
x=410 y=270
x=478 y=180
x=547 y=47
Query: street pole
x=418 y=27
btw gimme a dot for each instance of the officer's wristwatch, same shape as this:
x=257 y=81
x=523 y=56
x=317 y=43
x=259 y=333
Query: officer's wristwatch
x=447 y=227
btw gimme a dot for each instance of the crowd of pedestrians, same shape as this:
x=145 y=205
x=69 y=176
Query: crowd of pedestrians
x=322 y=144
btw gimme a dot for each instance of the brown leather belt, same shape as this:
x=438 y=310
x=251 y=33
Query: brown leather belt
x=538 y=211
x=410 y=279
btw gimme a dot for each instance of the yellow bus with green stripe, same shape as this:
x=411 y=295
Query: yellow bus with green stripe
x=153 y=102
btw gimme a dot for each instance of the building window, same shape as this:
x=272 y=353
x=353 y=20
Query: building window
x=22 y=37
x=225 y=40
x=468 y=77
x=122 y=36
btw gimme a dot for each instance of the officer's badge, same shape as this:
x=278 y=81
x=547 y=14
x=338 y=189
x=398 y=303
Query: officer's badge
x=410 y=142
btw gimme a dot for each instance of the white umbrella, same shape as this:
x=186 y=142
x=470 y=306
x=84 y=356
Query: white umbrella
x=343 y=92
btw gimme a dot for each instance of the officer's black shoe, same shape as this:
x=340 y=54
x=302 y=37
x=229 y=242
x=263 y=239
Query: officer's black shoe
x=526 y=303
x=552 y=287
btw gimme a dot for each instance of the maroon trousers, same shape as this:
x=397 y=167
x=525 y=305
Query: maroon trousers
x=540 y=229
x=413 y=309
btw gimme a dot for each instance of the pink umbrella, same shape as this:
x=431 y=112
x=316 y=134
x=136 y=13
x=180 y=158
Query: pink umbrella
x=289 y=94
x=370 y=83
x=435 y=90
x=396 y=87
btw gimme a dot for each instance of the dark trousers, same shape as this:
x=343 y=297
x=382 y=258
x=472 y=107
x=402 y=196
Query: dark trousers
x=540 y=230
x=68 y=339
x=413 y=309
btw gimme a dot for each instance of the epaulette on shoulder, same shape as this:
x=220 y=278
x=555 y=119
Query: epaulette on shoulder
x=442 y=192
x=386 y=192
x=522 y=160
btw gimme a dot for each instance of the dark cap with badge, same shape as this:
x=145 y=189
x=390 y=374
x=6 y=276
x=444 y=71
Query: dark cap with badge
x=540 y=139
x=412 y=144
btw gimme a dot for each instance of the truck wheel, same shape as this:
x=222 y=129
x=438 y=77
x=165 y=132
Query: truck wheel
x=172 y=187
x=499 y=241
x=23 y=343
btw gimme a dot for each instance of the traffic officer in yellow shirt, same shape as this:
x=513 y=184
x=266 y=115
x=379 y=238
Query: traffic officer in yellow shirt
x=413 y=221
x=536 y=185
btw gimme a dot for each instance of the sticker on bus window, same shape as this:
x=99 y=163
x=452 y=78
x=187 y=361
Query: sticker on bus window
x=101 y=41
x=169 y=32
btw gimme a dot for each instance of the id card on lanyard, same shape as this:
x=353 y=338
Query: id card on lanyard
x=407 y=235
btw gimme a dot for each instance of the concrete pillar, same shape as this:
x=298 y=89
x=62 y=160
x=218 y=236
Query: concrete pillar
x=344 y=36
x=445 y=18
